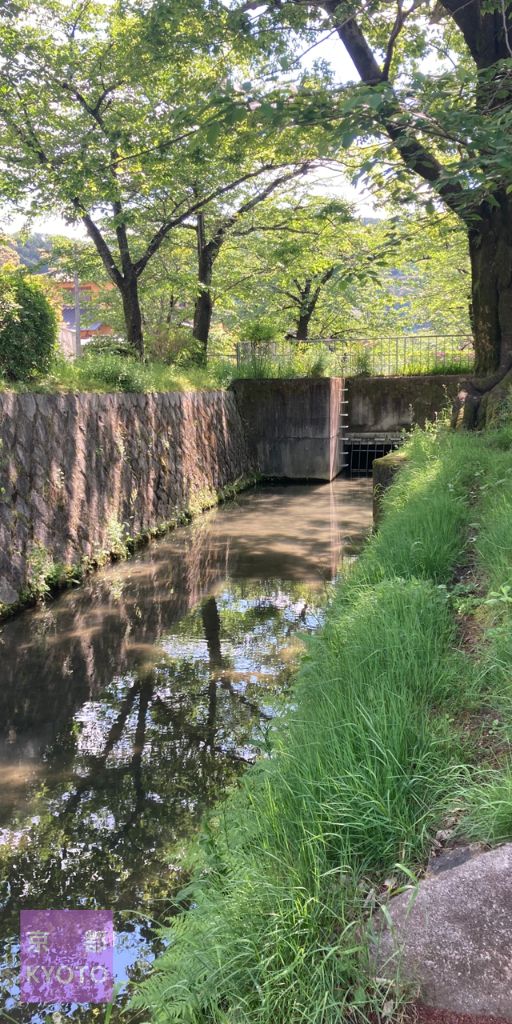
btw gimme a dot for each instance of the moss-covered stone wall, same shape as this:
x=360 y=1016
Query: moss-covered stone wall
x=82 y=474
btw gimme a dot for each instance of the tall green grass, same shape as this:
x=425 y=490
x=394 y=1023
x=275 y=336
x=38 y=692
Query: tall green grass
x=300 y=361
x=110 y=372
x=355 y=786
x=360 y=775
x=487 y=795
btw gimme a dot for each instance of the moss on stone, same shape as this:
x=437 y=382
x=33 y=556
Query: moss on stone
x=49 y=578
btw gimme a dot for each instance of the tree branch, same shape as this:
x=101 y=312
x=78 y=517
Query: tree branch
x=101 y=246
x=194 y=207
x=246 y=207
x=395 y=32
x=393 y=119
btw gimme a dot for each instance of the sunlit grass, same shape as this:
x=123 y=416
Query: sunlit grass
x=361 y=774
x=108 y=372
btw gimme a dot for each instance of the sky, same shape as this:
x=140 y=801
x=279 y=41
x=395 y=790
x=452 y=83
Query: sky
x=332 y=51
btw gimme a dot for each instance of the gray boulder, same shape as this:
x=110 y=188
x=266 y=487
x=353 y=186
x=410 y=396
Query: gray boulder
x=451 y=937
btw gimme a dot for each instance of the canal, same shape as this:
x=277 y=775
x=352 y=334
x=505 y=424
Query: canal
x=129 y=705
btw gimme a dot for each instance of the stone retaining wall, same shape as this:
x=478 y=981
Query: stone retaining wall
x=80 y=473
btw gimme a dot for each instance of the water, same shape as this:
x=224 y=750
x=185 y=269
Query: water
x=129 y=705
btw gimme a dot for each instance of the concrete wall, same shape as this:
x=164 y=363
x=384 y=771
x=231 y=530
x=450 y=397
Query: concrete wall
x=80 y=471
x=388 y=404
x=293 y=426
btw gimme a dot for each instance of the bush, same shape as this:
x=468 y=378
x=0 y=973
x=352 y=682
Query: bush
x=107 y=344
x=260 y=331
x=173 y=346
x=362 y=364
x=28 y=326
x=111 y=372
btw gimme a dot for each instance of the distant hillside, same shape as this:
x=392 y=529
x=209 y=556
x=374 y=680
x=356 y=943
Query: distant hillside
x=33 y=251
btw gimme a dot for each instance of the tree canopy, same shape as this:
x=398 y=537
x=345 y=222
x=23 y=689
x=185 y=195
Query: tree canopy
x=115 y=115
x=139 y=121
x=432 y=108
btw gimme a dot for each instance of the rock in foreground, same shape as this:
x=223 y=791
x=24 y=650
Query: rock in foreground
x=452 y=937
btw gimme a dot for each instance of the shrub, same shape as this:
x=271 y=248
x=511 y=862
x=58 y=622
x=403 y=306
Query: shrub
x=28 y=326
x=108 y=344
x=260 y=331
x=174 y=346
x=362 y=364
x=111 y=372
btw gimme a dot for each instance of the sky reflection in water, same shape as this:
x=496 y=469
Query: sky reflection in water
x=129 y=705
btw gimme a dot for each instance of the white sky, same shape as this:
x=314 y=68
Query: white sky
x=332 y=51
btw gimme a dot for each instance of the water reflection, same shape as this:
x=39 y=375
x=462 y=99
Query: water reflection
x=128 y=705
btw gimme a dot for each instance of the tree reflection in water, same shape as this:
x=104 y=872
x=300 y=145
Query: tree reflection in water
x=126 y=708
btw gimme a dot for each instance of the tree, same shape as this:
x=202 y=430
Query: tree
x=212 y=227
x=85 y=132
x=446 y=124
x=300 y=262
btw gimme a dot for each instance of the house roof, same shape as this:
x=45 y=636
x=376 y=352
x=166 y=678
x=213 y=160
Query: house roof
x=68 y=317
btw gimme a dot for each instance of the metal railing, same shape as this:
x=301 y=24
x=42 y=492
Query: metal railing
x=398 y=355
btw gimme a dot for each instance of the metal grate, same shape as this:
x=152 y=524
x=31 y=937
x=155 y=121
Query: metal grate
x=360 y=450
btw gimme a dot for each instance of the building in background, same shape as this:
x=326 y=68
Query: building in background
x=90 y=326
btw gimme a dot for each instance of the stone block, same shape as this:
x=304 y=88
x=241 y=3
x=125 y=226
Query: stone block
x=450 y=939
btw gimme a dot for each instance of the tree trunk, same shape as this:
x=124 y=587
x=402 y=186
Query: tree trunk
x=206 y=253
x=133 y=315
x=303 y=321
x=305 y=311
x=490 y=249
x=202 y=321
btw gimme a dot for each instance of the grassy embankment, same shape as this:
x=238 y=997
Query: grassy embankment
x=396 y=725
x=111 y=372
x=105 y=372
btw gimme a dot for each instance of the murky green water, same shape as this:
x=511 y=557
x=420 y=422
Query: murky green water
x=129 y=705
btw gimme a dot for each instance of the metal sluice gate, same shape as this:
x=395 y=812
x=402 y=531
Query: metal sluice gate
x=359 y=451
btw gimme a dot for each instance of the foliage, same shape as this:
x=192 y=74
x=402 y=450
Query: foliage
x=362 y=364
x=344 y=276
x=131 y=156
x=431 y=113
x=297 y=265
x=260 y=331
x=174 y=346
x=43 y=574
x=301 y=361
x=419 y=281
x=28 y=326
